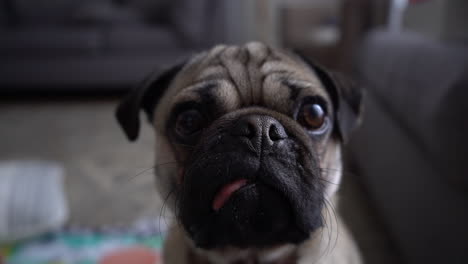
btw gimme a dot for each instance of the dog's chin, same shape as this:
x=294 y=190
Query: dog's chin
x=254 y=216
x=260 y=205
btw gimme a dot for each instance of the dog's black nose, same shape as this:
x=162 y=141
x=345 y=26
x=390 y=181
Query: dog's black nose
x=259 y=129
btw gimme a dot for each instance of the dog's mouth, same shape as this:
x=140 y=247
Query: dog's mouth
x=226 y=191
x=256 y=207
x=240 y=200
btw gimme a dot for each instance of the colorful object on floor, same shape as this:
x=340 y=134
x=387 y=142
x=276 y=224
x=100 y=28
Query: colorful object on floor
x=140 y=255
x=84 y=246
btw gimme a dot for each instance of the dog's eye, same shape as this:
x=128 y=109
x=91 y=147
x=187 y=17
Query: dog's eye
x=189 y=122
x=312 y=116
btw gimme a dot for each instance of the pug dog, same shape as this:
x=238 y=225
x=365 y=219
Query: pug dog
x=248 y=155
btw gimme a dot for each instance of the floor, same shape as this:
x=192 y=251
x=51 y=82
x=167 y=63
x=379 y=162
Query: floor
x=109 y=180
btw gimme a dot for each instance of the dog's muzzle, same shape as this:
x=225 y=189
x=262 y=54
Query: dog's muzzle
x=246 y=185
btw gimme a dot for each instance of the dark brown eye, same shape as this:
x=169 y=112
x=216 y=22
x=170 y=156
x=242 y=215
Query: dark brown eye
x=312 y=116
x=189 y=122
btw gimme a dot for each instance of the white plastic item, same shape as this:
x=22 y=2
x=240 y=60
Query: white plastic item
x=32 y=199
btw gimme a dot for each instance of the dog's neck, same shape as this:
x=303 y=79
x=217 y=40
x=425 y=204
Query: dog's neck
x=313 y=249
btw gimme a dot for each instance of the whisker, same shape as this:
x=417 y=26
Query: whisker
x=140 y=173
x=327 y=181
x=163 y=207
x=130 y=178
x=322 y=232
x=330 y=228
x=335 y=217
x=345 y=172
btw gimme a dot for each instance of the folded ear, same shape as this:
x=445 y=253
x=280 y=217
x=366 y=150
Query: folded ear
x=145 y=96
x=346 y=97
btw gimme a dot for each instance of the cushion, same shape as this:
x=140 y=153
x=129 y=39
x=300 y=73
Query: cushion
x=42 y=40
x=423 y=85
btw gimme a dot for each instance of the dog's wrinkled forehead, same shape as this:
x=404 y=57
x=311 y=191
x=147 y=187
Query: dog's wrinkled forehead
x=243 y=76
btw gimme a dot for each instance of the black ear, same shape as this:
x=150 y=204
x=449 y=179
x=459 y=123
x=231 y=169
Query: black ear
x=346 y=97
x=145 y=96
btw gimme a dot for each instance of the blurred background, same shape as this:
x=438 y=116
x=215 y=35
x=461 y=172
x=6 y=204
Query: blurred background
x=65 y=63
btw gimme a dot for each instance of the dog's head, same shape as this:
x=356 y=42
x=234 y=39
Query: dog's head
x=254 y=134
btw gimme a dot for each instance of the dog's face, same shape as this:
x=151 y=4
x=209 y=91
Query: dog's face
x=254 y=135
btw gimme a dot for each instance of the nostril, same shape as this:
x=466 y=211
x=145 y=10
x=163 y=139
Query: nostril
x=276 y=132
x=244 y=128
x=273 y=133
x=250 y=130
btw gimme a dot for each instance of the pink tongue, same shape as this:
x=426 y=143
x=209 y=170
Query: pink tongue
x=223 y=195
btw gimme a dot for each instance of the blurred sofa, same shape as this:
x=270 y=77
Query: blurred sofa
x=70 y=44
x=411 y=152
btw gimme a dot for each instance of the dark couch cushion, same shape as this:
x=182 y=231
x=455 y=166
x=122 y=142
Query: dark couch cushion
x=35 y=12
x=49 y=41
x=142 y=39
x=424 y=86
x=47 y=12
